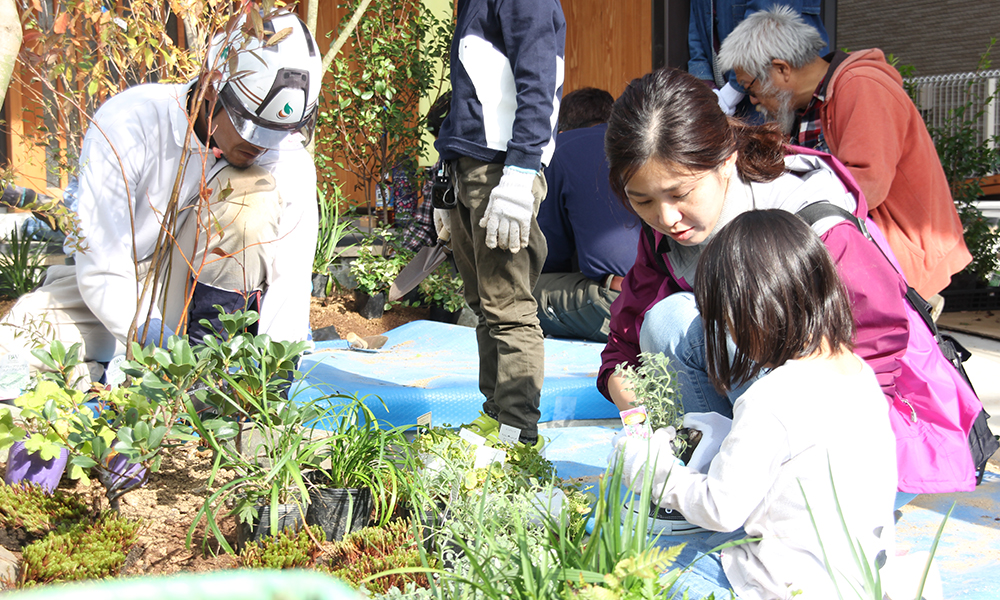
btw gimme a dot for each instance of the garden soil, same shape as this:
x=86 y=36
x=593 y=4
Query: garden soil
x=169 y=502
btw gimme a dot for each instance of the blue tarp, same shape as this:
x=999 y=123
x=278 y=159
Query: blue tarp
x=426 y=366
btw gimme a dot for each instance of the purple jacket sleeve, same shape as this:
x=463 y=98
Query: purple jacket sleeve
x=644 y=285
x=877 y=295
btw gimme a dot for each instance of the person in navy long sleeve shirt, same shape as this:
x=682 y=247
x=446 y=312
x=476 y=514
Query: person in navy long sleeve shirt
x=592 y=237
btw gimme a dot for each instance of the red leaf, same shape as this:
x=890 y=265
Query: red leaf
x=35 y=4
x=61 y=21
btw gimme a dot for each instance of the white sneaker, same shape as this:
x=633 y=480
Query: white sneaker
x=663 y=521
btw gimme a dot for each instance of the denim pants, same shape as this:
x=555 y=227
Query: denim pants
x=673 y=327
x=498 y=287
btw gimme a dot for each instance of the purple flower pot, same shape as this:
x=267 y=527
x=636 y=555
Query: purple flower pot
x=122 y=475
x=23 y=466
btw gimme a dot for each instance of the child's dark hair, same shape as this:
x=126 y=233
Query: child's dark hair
x=768 y=282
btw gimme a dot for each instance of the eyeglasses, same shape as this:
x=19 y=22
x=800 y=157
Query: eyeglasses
x=749 y=91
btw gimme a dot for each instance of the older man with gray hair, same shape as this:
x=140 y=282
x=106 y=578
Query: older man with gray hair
x=854 y=106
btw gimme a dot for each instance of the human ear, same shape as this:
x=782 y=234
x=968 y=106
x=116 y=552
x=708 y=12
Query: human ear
x=782 y=70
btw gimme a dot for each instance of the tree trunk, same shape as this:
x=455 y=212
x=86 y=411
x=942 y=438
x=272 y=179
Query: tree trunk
x=10 y=43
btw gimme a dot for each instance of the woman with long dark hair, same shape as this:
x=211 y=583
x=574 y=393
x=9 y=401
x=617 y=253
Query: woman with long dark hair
x=687 y=170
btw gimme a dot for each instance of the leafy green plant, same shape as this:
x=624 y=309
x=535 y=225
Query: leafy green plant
x=88 y=550
x=372 y=116
x=21 y=266
x=243 y=381
x=654 y=384
x=28 y=507
x=375 y=271
x=444 y=288
x=47 y=414
x=285 y=550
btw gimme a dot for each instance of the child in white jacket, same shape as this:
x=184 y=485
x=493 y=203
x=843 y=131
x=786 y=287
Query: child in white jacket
x=809 y=436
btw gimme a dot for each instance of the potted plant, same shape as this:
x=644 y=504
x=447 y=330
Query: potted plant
x=332 y=230
x=362 y=473
x=444 y=290
x=654 y=384
x=374 y=271
x=35 y=435
x=268 y=440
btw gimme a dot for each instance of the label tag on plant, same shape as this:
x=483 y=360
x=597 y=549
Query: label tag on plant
x=509 y=435
x=113 y=375
x=486 y=456
x=424 y=420
x=14 y=374
x=473 y=438
x=635 y=423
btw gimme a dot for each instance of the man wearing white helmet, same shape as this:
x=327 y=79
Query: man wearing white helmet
x=242 y=248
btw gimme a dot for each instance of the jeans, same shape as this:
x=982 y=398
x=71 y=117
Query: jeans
x=673 y=326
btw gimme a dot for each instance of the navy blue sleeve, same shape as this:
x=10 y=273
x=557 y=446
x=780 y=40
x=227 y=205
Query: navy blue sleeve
x=534 y=33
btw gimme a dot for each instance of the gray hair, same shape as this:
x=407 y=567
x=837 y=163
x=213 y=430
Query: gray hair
x=777 y=33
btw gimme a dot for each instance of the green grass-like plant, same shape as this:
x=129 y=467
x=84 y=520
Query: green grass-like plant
x=85 y=550
x=21 y=268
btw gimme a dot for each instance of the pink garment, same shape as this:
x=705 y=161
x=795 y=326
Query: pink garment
x=933 y=408
x=932 y=451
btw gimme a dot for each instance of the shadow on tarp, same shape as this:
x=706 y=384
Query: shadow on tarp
x=431 y=367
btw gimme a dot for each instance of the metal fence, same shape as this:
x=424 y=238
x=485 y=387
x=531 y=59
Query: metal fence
x=970 y=96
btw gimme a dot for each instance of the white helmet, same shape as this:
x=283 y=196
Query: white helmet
x=272 y=91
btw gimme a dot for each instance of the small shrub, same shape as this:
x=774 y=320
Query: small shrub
x=86 y=550
x=287 y=550
x=444 y=288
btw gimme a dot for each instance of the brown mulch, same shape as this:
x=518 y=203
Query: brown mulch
x=338 y=310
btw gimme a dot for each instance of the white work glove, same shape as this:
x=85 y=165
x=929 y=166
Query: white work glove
x=508 y=215
x=442 y=223
x=636 y=452
x=714 y=428
x=729 y=97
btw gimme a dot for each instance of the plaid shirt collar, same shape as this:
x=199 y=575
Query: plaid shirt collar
x=808 y=126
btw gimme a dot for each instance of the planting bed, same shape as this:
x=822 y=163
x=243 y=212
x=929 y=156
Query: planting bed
x=168 y=503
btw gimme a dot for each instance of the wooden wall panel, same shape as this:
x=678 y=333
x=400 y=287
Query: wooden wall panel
x=608 y=43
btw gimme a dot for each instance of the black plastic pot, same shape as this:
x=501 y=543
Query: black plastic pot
x=369 y=307
x=289 y=516
x=339 y=511
x=319 y=281
x=443 y=315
